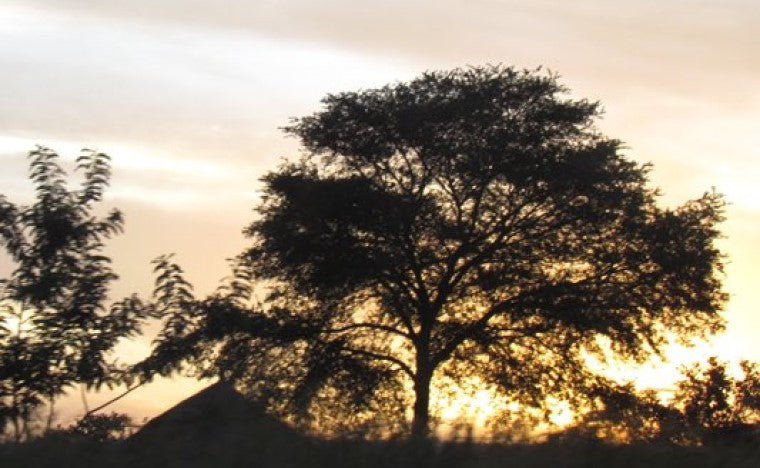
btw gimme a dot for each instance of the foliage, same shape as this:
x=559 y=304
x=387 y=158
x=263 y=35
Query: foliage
x=55 y=330
x=467 y=223
x=624 y=414
x=102 y=427
x=718 y=407
x=709 y=406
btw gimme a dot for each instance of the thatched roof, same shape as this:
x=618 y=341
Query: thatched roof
x=217 y=415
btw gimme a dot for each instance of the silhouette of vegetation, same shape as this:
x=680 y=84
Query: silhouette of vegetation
x=205 y=430
x=708 y=407
x=55 y=330
x=468 y=223
x=102 y=427
x=718 y=407
x=264 y=449
x=626 y=415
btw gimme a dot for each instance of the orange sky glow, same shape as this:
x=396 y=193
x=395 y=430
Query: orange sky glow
x=187 y=96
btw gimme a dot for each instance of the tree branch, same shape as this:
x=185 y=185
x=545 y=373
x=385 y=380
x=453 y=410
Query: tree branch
x=382 y=357
x=368 y=325
x=114 y=400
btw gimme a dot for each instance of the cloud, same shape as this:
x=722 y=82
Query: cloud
x=185 y=112
x=669 y=43
x=251 y=63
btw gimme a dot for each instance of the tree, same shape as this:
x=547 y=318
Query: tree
x=101 y=427
x=469 y=223
x=625 y=414
x=55 y=330
x=718 y=407
x=709 y=405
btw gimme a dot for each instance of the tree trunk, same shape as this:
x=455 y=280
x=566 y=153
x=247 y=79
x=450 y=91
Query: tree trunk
x=421 y=418
x=16 y=429
x=51 y=415
x=15 y=419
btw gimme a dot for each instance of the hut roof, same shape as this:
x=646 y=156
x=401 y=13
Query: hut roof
x=216 y=414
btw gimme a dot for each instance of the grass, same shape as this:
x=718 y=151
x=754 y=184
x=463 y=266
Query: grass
x=263 y=452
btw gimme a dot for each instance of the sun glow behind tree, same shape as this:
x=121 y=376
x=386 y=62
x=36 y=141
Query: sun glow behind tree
x=469 y=224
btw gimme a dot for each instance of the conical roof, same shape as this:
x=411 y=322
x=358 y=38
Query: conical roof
x=215 y=413
x=218 y=427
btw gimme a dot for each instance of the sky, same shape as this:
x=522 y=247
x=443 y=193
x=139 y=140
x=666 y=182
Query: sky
x=188 y=97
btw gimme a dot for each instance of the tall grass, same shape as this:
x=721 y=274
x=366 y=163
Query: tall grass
x=262 y=451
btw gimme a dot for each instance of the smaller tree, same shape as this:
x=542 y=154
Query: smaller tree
x=55 y=329
x=718 y=407
x=709 y=406
x=624 y=414
x=102 y=427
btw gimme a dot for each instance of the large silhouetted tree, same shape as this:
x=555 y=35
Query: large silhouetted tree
x=55 y=329
x=474 y=222
x=470 y=223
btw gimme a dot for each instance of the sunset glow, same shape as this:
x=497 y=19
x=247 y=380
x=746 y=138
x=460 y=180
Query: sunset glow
x=189 y=103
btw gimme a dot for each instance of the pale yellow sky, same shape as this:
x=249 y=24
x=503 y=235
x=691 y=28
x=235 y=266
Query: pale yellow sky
x=187 y=97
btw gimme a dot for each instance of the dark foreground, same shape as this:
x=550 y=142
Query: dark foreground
x=64 y=452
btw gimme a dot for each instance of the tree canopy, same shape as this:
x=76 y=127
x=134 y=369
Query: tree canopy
x=55 y=329
x=468 y=223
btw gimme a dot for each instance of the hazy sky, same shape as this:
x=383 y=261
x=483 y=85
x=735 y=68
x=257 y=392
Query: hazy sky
x=187 y=97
